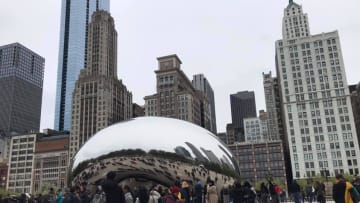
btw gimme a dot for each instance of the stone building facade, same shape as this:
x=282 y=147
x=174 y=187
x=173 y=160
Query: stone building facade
x=176 y=97
x=100 y=98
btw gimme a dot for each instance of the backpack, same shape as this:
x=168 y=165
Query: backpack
x=99 y=198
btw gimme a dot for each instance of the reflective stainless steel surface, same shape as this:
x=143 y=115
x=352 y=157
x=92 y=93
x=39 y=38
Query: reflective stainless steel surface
x=155 y=148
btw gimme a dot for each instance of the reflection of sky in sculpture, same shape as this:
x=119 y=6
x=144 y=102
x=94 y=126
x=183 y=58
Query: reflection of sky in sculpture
x=156 y=133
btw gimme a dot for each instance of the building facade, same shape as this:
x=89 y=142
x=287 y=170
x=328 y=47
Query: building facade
x=21 y=160
x=257 y=129
x=202 y=84
x=75 y=18
x=3 y=174
x=242 y=106
x=355 y=102
x=21 y=85
x=99 y=98
x=176 y=97
x=137 y=110
x=273 y=106
x=51 y=163
x=259 y=161
x=315 y=99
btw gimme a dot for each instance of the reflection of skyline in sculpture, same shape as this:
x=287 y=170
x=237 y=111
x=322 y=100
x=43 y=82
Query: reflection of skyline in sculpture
x=195 y=153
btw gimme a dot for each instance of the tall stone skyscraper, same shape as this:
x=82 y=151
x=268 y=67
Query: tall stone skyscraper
x=315 y=99
x=273 y=107
x=200 y=83
x=99 y=98
x=75 y=17
x=176 y=97
x=242 y=106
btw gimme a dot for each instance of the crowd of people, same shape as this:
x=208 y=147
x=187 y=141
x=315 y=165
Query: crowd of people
x=109 y=191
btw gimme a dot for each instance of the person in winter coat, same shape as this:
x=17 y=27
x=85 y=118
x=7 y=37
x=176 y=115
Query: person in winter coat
x=72 y=197
x=249 y=195
x=143 y=195
x=172 y=197
x=236 y=193
x=211 y=195
x=112 y=191
x=59 y=197
x=185 y=192
x=341 y=190
x=154 y=195
x=198 y=192
x=128 y=196
x=225 y=194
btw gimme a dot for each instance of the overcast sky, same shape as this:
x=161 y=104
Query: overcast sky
x=230 y=41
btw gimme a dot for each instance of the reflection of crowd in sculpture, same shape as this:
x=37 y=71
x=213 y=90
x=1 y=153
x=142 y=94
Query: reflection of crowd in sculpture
x=168 y=170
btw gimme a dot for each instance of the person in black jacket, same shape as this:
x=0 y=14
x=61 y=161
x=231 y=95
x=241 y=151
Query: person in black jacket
x=112 y=191
x=237 y=193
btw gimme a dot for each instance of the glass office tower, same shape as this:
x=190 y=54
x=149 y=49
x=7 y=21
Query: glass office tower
x=75 y=17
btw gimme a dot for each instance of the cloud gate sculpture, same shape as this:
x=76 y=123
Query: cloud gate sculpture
x=156 y=149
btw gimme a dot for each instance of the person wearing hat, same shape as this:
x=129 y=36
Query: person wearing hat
x=173 y=196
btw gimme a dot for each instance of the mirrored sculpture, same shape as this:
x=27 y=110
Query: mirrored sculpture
x=157 y=149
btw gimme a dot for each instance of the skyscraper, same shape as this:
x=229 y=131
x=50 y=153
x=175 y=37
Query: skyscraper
x=75 y=17
x=273 y=107
x=176 y=96
x=99 y=98
x=315 y=99
x=242 y=106
x=21 y=85
x=202 y=84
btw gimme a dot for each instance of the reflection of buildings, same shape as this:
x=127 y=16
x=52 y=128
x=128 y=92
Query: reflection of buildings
x=51 y=162
x=210 y=155
x=137 y=110
x=182 y=151
x=315 y=99
x=75 y=18
x=258 y=161
x=99 y=98
x=175 y=95
x=3 y=174
x=37 y=157
x=196 y=152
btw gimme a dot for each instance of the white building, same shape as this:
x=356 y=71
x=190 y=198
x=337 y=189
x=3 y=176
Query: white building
x=316 y=101
x=257 y=129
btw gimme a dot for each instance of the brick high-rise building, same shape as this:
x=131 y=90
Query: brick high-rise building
x=315 y=99
x=100 y=98
x=176 y=97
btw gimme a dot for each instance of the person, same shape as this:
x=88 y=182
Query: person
x=127 y=194
x=185 y=191
x=154 y=195
x=198 y=192
x=295 y=191
x=225 y=194
x=272 y=190
x=172 y=197
x=320 y=192
x=309 y=192
x=50 y=197
x=264 y=193
x=249 y=195
x=356 y=182
x=236 y=193
x=84 y=193
x=72 y=197
x=343 y=191
x=112 y=191
x=211 y=195
x=59 y=197
x=143 y=196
